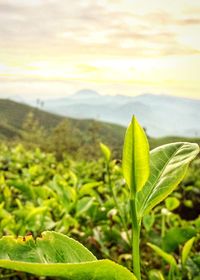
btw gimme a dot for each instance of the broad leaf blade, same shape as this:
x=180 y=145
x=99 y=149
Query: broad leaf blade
x=167 y=257
x=57 y=255
x=168 y=164
x=135 y=157
x=95 y=270
x=52 y=247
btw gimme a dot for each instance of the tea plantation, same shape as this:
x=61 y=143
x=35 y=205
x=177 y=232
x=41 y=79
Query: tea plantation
x=78 y=198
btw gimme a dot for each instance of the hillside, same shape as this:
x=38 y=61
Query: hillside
x=81 y=136
x=13 y=116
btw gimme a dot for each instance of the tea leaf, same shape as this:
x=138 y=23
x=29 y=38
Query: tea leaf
x=94 y=270
x=57 y=255
x=155 y=275
x=167 y=257
x=168 y=164
x=176 y=236
x=51 y=247
x=148 y=221
x=172 y=203
x=135 y=157
x=105 y=151
x=186 y=249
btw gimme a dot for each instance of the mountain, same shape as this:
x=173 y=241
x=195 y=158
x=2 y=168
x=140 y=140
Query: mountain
x=84 y=134
x=161 y=115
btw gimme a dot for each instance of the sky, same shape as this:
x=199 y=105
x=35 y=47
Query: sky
x=51 y=48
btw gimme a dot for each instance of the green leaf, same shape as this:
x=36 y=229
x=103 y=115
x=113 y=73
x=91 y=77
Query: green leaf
x=172 y=203
x=87 y=188
x=105 y=151
x=51 y=247
x=57 y=255
x=186 y=250
x=155 y=275
x=96 y=270
x=167 y=257
x=176 y=236
x=168 y=164
x=148 y=221
x=135 y=157
x=83 y=205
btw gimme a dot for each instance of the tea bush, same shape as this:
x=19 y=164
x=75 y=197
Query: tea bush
x=89 y=201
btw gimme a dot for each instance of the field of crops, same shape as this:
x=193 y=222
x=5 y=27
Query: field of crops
x=89 y=201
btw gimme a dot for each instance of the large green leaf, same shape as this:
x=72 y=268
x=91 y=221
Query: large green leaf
x=57 y=255
x=135 y=157
x=52 y=247
x=168 y=164
x=96 y=270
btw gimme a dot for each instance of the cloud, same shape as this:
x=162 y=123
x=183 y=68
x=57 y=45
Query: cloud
x=189 y=21
x=63 y=26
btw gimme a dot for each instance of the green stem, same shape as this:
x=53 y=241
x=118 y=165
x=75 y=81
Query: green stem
x=162 y=234
x=121 y=216
x=171 y=273
x=135 y=240
x=163 y=226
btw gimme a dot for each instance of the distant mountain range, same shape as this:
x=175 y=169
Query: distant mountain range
x=161 y=115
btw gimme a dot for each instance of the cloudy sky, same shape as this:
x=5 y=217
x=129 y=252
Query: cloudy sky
x=56 y=47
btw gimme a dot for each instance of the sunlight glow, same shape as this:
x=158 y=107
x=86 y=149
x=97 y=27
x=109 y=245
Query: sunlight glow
x=145 y=45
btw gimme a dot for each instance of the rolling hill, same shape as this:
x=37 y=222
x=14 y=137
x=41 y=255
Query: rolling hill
x=90 y=132
x=14 y=114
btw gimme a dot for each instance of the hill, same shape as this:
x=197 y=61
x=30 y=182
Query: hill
x=13 y=115
x=161 y=115
x=61 y=134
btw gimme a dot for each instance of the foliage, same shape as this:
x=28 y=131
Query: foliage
x=57 y=255
x=89 y=202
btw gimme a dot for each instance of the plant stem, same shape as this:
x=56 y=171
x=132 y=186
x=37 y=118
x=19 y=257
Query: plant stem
x=162 y=234
x=135 y=240
x=163 y=227
x=121 y=216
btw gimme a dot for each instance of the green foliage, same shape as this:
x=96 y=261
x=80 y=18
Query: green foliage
x=176 y=236
x=148 y=221
x=178 y=272
x=32 y=132
x=106 y=151
x=89 y=201
x=172 y=203
x=167 y=257
x=135 y=157
x=51 y=247
x=155 y=275
x=54 y=254
x=168 y=165
x=186 y=250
